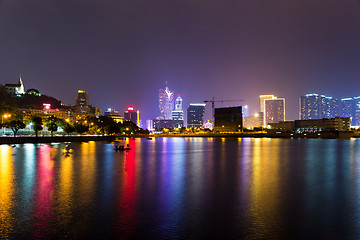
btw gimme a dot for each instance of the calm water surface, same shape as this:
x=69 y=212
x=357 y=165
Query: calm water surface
x=177 y=188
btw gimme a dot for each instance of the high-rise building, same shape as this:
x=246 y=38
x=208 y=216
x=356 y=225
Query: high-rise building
x=166 y=103
x=195 y=115
x=228 y=119
x=111 y=112
x=150 y=124
x=356 y=112
x=245 y=111
x=262 y=101
x=274 y=110
x=315 y=106
x=347 y=107
x=310 y=107
x=131 y=115
x=329 y=107
x=178 y=113
x=82 y=99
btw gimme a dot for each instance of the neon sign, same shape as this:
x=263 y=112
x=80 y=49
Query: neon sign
x=47 y=106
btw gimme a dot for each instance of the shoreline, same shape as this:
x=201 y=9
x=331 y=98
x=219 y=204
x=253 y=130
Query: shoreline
x=49 y=139
x=290 y=135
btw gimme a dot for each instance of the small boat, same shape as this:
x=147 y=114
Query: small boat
x=149 y=138
x=122 y=148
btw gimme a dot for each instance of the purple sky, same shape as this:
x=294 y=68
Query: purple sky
x=122 y=52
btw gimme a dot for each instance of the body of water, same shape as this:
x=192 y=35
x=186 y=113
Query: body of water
x=182 y=188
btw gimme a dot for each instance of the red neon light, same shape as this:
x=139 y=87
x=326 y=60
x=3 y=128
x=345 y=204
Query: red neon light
x=130 y=108
x=47 y=106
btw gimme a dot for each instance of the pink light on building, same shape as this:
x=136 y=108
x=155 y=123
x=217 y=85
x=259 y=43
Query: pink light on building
x=47 y=106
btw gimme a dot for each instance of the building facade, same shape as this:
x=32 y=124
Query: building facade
x=274 y=110
x=160 y=124
x=166 y=103
x=322 y=125
x=195 y=115
x=315 y=106
x=228 y=119
x=82 y=99
x=178 y=113
x=15 y=89
x=132 y=115
x=255 y=121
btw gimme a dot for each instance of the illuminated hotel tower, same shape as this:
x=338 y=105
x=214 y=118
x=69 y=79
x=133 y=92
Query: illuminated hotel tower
x=273 y=109
x=166 y=103
x=178 y=113
x=82 y=98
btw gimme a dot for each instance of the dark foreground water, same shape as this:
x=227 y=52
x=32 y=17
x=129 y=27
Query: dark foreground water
x=176 y=188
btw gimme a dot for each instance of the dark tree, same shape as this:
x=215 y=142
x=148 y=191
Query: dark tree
x=68 y=128
x=81 y=128
x=15 y=126
x=112 y=129
x=52 y=124
x=37 y=124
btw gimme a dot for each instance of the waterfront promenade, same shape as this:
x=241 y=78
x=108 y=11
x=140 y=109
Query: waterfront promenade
x=86 y=138
x=49 y=139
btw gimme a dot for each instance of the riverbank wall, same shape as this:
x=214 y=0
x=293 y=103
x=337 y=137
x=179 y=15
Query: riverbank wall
x=49 y=139
x=325 y=135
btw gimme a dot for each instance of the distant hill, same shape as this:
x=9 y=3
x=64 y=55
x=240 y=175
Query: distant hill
x=26 y=100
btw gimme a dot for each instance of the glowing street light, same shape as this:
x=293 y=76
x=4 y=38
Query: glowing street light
x=2 y=121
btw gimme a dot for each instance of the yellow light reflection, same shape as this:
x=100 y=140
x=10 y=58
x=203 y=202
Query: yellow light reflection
x=87 y=171
x=6 y=191
x=265 y=187
x=65 y=186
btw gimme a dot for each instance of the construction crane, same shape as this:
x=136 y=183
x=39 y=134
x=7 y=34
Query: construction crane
x=213 y=101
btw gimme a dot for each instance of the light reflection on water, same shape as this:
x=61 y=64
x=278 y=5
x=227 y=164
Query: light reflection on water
x=183 y=188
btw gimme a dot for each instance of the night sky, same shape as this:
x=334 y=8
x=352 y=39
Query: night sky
x=123 y=52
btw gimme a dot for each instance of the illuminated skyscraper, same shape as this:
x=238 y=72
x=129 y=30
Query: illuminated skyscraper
x=178 y=113
x=166 y=103
x=131 y=115
x=245 y=111
x=315 y=106
x=82 y=99
x=273 y=109
x=195 y=115
x=262 y=101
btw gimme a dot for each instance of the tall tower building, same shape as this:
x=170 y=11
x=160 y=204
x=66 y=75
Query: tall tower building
x=262 y=101
x=82 y=98
x=131 y=115
x=310 y=107
x=274 y=110
x=245 y=111
x=178 y=113
x=195 y=115
x=166 y=103
x=347 y=107
x=315 y=106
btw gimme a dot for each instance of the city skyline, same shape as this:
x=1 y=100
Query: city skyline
x=122 y=52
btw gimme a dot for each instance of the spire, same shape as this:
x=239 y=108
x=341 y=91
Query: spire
x=21 y=89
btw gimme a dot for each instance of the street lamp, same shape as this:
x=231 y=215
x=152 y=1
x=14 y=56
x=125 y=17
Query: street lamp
x=2 y=121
